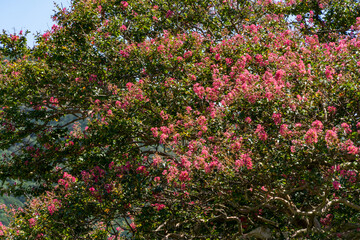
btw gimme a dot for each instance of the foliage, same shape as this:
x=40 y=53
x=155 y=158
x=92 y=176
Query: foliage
x=327 y=16
x=189 y=119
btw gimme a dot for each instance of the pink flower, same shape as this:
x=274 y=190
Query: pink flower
x=92 y=78
x=157 y=160
x=332 y=109
x=239 y=163
x=185 y=162
x=184 y=176
x=346 y=127
x=229 y=61
x=248 y=120
x=164 y=116
x=199 y=90
x=352 y=150
x=279 y=74
x=156 y=179
x=336 y=185
x=133 y=226
x=187 y=54
x=14 y=38
x=284 y=131
x=169 y=14
x=329 y=72
x=124 y=4
x=111 y=165
x=51 y=209
x=260 y=131
x=317 y=125
x=123 y=28
x=154 y=131
x=32 y=222
x=161 y=48
x=244 y=160
x=141 y=169
x=158 y=206
x=54 y=100
x=292 y=149
x=248 y=162
x=298 y=18
x=327 y=220
x=99 y=8
x=201 y=120
x=217 y=57
x=163 y=137
x=311 y=136
x=330 y=137
x=277 y=118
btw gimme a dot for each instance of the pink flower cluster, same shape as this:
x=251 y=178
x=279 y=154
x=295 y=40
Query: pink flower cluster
x=260 y=131
x=66 y=180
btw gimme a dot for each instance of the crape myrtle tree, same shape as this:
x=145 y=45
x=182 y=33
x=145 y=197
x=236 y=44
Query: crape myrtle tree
x=189 y=119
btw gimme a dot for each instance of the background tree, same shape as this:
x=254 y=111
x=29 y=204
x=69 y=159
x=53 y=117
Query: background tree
x=325 y=18
x=181 y=120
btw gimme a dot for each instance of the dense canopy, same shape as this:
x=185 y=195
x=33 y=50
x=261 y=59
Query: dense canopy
x=184 y=119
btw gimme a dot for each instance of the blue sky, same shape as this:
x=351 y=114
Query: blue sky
x=32 y=15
